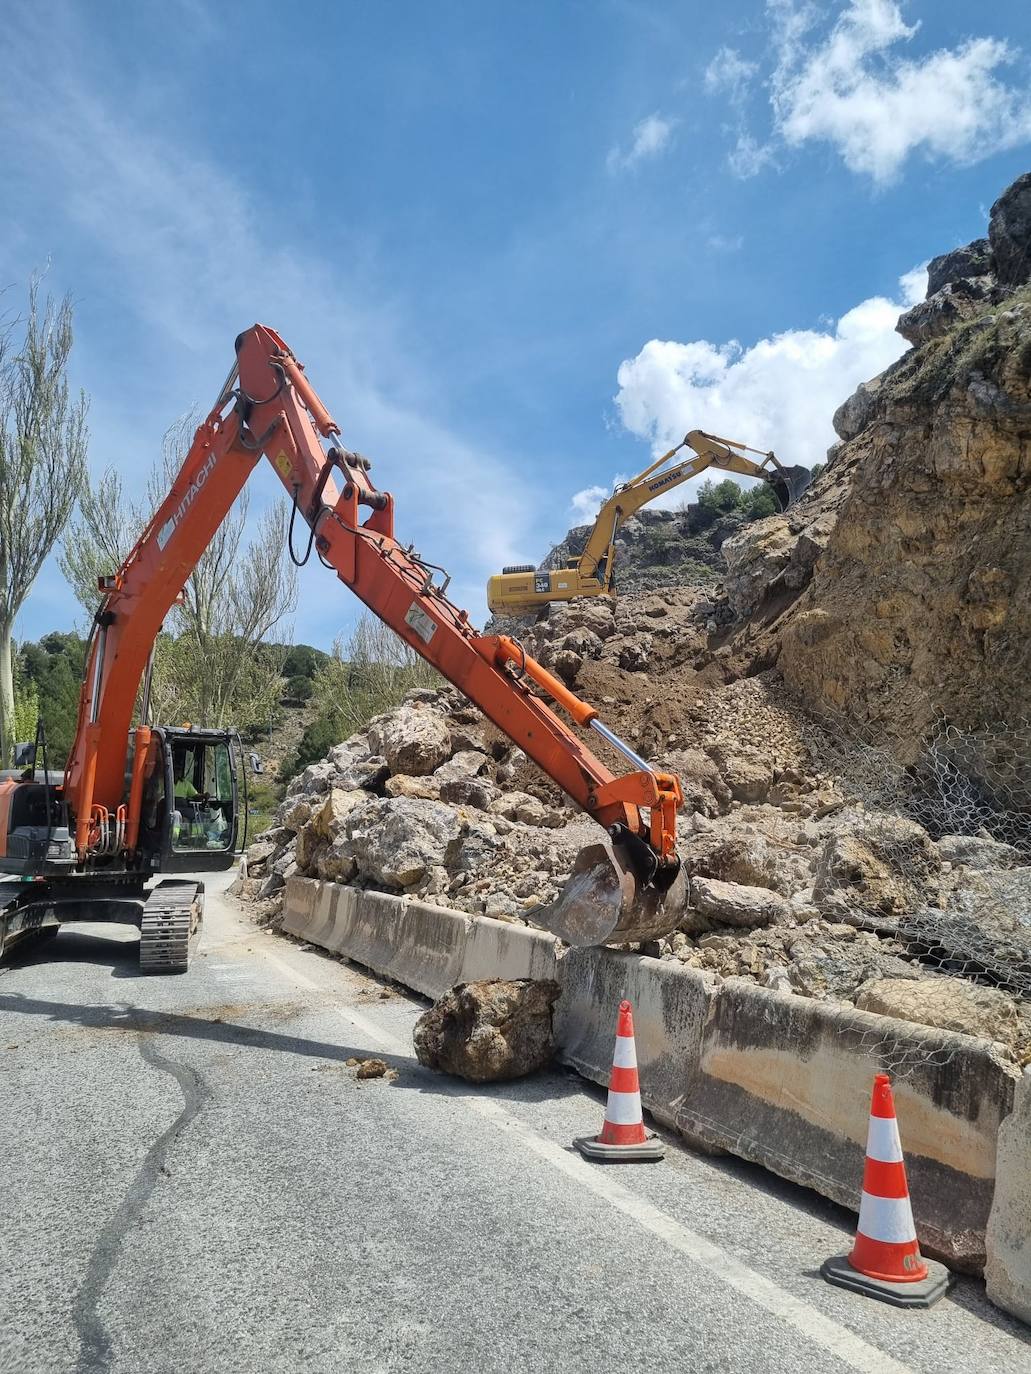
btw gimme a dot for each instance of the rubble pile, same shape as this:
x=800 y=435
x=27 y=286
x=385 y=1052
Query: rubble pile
x=896 y=593
x=422 y=802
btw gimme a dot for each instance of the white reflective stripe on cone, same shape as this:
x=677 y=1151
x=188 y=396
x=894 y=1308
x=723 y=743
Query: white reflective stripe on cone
x=625 y=1055
x=882 y=1140
x=623 y=1109
x=888 y=1219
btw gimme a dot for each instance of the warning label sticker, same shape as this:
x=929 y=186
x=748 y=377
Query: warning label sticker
x=424 y=625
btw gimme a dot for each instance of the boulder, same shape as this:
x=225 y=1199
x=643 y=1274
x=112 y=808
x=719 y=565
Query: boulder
x=258 y=856
x=478 y=793
x=329 y=820
x=749 y=859
x=400 y=785
x=413 y=739
x=977 y=851
x=308 y=843
x=272 y=884
x=595 y=615
x=954 y=303
x=705 y=791
x=465 y=763
x=527 y=810
x=297 y=814
x=395 y=840
x=884 y=867
x=635 y=652
x=490 y=1030
x=369 y=772
x=567 y=663
x=746 y=772
x=317 y=777
x=336 y=862
x=734 y=904
x=756 y=557
x=947 y=1003
x=853 y=415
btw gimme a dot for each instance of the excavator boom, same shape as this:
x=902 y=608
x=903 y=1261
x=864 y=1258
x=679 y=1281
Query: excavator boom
x=630 y=890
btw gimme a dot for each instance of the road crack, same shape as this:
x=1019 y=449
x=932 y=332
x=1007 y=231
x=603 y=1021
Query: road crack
x=95 y=1351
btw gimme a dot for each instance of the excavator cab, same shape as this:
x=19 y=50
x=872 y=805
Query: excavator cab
x=194 y=811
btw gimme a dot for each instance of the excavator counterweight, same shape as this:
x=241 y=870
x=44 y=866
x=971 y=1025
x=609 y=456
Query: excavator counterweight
x=137 y=800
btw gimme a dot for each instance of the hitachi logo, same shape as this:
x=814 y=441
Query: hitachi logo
x=192 y=491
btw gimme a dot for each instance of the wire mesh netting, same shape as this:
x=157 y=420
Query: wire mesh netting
x=937 y=865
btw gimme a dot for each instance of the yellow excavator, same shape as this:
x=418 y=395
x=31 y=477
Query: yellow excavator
x=516 y=590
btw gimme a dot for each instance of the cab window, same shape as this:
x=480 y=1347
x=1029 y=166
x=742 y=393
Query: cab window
x=202 y=790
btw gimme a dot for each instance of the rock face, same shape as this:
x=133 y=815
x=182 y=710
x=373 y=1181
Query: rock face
x=901 y=585
x=660 y=548
x=490 y=1030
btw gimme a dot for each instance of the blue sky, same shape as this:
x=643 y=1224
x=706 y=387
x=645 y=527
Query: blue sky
x=516 y=245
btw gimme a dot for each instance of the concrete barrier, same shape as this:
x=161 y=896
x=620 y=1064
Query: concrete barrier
x=427 y=948
x=497 y=949
x=1007 y=1273
x=671 y=1007
x=429 y=943
x=785 y=1081
x=781 y=1080
x=320 y=912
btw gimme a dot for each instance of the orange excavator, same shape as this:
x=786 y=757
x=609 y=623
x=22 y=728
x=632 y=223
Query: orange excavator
x=136 y=801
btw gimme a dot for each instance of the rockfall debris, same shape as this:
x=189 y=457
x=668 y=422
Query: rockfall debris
x=845 y=709
x=490 y=1030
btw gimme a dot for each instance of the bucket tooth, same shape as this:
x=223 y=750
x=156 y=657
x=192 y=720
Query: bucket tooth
x=604 y=902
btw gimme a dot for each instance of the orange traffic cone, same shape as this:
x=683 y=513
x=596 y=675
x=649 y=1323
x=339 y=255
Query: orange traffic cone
x=885 y=1261
x=623 y=1135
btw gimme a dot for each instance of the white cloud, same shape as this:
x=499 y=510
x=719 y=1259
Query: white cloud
x=748 y=156
x=586 y=504
x=780 y=393
x=855 y=91
x=650 y=137
x=729 y=73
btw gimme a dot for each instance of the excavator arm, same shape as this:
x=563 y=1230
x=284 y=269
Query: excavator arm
x=592 y=574
x=268 y=408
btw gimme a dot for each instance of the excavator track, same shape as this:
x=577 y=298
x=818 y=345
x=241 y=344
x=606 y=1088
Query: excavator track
x=170 y=926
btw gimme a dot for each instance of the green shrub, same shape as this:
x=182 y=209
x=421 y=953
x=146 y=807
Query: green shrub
x=298 y=690
x=302 y=661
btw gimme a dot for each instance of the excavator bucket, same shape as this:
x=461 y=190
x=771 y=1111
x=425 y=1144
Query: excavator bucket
x=604 y=902
x=789 y=483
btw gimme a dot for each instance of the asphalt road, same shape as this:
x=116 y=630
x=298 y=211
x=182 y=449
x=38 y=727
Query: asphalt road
x=194 y=1181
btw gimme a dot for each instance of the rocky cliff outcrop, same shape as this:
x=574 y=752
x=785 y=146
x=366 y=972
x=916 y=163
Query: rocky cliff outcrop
x=661 y=548
x=900 y=589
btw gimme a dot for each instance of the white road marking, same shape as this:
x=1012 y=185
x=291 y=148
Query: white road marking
x=844 y=1344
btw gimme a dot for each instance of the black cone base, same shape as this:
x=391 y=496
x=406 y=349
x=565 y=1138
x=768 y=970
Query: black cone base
x=923 y=1293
